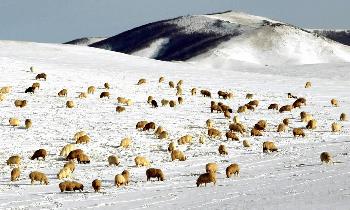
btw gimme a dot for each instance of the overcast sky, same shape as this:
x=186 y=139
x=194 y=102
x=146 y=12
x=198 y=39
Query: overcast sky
x=64 y=20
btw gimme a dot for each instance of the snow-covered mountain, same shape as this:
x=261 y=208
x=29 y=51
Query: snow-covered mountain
x=341 y=36
x=226 y=39
x=85 y=41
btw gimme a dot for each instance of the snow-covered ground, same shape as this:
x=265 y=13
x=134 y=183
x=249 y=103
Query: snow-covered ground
x=289 y=179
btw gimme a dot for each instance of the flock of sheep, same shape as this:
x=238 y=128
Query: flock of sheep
x=235 y=131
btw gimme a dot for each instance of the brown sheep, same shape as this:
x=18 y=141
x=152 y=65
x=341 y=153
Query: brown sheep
x=38 y=176
x=206 y=178
x=141 y=124
x=14 y=160
x=120 y=109
x=107 y=85
x=334 y=102
x=326 y=157
x=105 y=95
x=222 y=150
x=14 y=122
x=70 y=165
x=36 y=85
x=205 y=93
x=40 y=153
x=83 y=158
x=65 y=172
x=96 y=184
x=119 y=180
x=273 y=106
x=185 y=139
x=223 y=94
x=21 y=103
x=5 y=90
x=343 y=117
x=71 y=186
x=301 y=100
x=254 y=103
x=171 y=147
x=261 y=125
x=312 y=124
x=232 y=169
x=125 y=142
x=227 y=114
x=305 y=117
x=91 y=89
x=171 y=84
x=281 y=127
x=149 y=126
x=15 y=174
x=298 y=132
x=249 y=96
x=255 y=132
x=231 y=135
x=216 y=108
x=286 y=108
x=155 y=173
x=74 y=154
x=158 y=130
x=141 y=81
x=297 y=104
x=83 y=139
x=179 y=91
x=161 y=79
x=172 y=103
x=113 y=160
x=269 y=146
x=237 y=127
x=82 y=95
x=149 y=99
x=141 y=161
x=164 y=102
x=242 y=109
x=286 y=121
x=70 y=104
x=30 y=90
x=193 y=91
x=28 y=123
x=63 y=93
x=336 y=127
x=308 y=85
x=180 y=100
x=209 y=123
x=163 y=135
x=178 y=155
x=250 y=107
x=246 y=143
x=78 y=134
x=180 y=83
x=211 y=167
x=214 y=133
x=126 y=176
x=41 y=76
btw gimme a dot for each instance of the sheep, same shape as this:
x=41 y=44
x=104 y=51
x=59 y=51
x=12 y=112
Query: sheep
x=126 y=176
x=38 y=176
x=154 y=104
x=83 y=158
x=21 y=103
x=164 y=102
x=297 y=104
x=201 y=139
x=237 y=127
x=180 y=82
x=232 y=169
x=250 y=107
x=291 y=96
x=273 y=106
x=227 y=114
x=28 y=123
x=179 y=91
x=67 y=149
x=298 y=132
x=178 y=155
x=254 y=103
x=40 y=153
x=255 y=132
x=302 y=101
x=105 y=95
x=185 y=139
x=14 y=160
x=158 y=130
x=96 y=184
x=70 y=165
x=71 y=186
x=149 y=126
x=141 y=81
x=6 y=89
x=171 y=147
x=216 y=108
x=113 y=160
x=41 y=76
x=74 y=154
x=163 y=135
x=281 y=127
x=308 y=85
x=155 y=173
x=2 y=97
x=15 y=174
x=326 y=157
x=180 y=100
x=334 y=102
x=214 y=133
x=286 y=121
x=223 y=94
x=343 y=117
x=161 y=79
x=83 y=139
x=141 y=161
x=286 y=108
x=206 y=93
x=70 y=104
x=231 y=135
x=249 y=96
x=194 y=91
x=141 y=124
x=64 y=173
x=312 y=124
x=171 y=84
x=83 y=95
x=269 y=146
x=261 y=125
x=222 y=150
x=30 y=90
x=107 y=85
x=209 y=123
x=206 y=178
x=63 y=93
x=14 y=122
x=120 y=109
x=172 y=103
x=78 y=134
x=211 y=167
x=246 y=143
x=303 y=115
x=242 y=109
x=119 y=180
x=306 y=117
x=91 y=90
x=336 y=127
x=36 y=85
